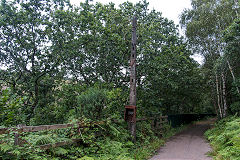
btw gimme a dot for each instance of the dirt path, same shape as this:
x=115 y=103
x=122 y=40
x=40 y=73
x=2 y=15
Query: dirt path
x=187 y=145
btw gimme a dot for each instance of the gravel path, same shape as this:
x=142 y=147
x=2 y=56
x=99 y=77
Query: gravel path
x=187 y=145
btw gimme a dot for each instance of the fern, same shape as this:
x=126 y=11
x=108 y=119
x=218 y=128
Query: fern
x=86 y=158
x=59 y=151
x=5 y=147
x=43 y=139
x=225 y=138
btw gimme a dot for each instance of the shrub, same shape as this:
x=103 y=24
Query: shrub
x=225 y=139
x=12 y=111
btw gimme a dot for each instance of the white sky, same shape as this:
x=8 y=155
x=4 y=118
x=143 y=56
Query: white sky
x=169 y=8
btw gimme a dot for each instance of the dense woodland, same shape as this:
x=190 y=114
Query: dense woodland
x=61 y=63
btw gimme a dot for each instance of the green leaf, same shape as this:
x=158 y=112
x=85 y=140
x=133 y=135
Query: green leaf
x=5 y=147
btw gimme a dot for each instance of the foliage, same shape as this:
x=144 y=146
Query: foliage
x=12 y=111
x=26 y=44
x=205 y=24
x=113 y=143
x=96 y=103
x=92 y=103
x=224 y=138
x=9 y=151
x=69 y=49
x=71 y=64
x=206 y=21
x=232 y=50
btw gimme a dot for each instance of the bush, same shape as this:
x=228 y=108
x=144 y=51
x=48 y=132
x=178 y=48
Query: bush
x=12 y=111
x=225 y=139
x=98 y=103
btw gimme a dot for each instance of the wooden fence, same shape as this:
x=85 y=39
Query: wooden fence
x=156 y=123
x=21 y=128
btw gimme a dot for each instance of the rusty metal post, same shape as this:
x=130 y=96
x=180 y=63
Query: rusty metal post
x=133 y=95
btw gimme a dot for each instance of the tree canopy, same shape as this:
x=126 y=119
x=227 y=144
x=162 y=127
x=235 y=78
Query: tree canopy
x=46 y=44
x=64 y=64
x=205 y=25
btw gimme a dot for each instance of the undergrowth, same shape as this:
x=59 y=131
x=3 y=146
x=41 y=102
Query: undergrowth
x=107 y=142
x=110 y=141
x=225 y=139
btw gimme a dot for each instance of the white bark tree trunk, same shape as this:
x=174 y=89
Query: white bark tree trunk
x=233 y=76
x=224 y=95
x=218 y=97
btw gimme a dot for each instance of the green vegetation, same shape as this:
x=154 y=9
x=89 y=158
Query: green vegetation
x=212 y=28
x=53 y=52
x=11 y=108
x=106 y=142
x=65 y=64
x=225 y=139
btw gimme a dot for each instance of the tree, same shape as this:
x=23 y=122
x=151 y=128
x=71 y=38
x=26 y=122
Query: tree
x=204 y=25
x=231 y=38
x=99 y=37
x=27 y=50
x=48 y=46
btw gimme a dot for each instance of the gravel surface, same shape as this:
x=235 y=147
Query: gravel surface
x=190 y=144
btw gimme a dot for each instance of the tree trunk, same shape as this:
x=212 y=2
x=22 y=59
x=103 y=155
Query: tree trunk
x=233 y=76
x=224 y=95
x=214 y=102
x=220 y=94
x=36 y=93
x=218 y=97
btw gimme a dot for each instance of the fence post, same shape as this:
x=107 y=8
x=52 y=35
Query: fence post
x=17 y=140
x=161 y=122
x=153 y=124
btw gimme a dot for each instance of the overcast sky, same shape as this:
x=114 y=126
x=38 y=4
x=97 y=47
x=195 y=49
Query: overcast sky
x=169 y=8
